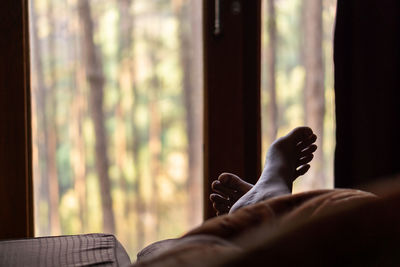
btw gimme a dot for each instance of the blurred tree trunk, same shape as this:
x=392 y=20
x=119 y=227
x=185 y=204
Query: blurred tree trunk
x=39 y=93
x=314 y=85
x=78 y=112
x=137 y=140
x=271 y=52
x=155 y=152
x=77 y=155
x=51 y=114
x=139 y=205
x=127 y=84
x=95 y=77
x=155 y=145
x=125 y=58
x=190 y=36
x=302 y=51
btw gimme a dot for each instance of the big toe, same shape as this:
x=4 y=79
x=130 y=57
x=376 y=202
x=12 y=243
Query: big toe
x=229 y=179
x=299 y=134
x=230 y=186
x=234 y=182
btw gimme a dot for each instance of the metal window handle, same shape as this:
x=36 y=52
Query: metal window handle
x=217 y=20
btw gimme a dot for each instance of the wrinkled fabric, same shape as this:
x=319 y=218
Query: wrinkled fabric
x=251 y=232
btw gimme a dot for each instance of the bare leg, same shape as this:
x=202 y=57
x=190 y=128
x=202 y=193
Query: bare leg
x=229 y=188
x=287 y=159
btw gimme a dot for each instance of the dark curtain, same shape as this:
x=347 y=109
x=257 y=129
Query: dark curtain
x=367 y=76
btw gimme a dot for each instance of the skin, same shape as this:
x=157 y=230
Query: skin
x=286 y=160
x=228 y=189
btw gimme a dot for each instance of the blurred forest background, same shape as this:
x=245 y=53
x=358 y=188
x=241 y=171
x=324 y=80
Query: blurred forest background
x=117 y=109
x=297 y=79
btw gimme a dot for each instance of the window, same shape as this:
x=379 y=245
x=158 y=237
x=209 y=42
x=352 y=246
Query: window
x=117 y=118
x=232 y=140
x=297 y=79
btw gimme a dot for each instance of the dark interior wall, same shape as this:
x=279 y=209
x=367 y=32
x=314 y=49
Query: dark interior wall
x=367 y=76
x=16 y=210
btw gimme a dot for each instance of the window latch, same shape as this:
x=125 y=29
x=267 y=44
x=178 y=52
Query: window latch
x=236 y=9
x=217 y=19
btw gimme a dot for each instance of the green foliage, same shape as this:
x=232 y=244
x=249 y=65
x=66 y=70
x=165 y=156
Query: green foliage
x=290 y=77
x=64 y=167
x=151 y=72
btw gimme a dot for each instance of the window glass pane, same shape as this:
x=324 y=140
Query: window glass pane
x=297 y=79
x=117 y=117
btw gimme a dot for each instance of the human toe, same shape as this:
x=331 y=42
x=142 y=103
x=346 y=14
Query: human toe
x=300 y=133
x=220 y=204
x=302 y=170
x=309 y=150
x=306 y=142
x=229 y=179
x=222 y=189
x=234 y=182
x=305 y=159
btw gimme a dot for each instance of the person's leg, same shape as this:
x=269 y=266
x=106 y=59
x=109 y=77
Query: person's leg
x=287 y=159
x=229 y=188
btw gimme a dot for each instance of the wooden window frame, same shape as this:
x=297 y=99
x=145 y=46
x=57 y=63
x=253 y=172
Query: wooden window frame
x=232 y=121
x=16 y=194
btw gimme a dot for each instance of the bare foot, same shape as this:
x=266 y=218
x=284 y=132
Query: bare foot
x=228 y=189
x=287 y=159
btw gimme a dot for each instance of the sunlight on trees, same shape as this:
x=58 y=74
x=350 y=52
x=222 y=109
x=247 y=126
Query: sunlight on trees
x=297 y=45
x=117 y=115
x=117 y=109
